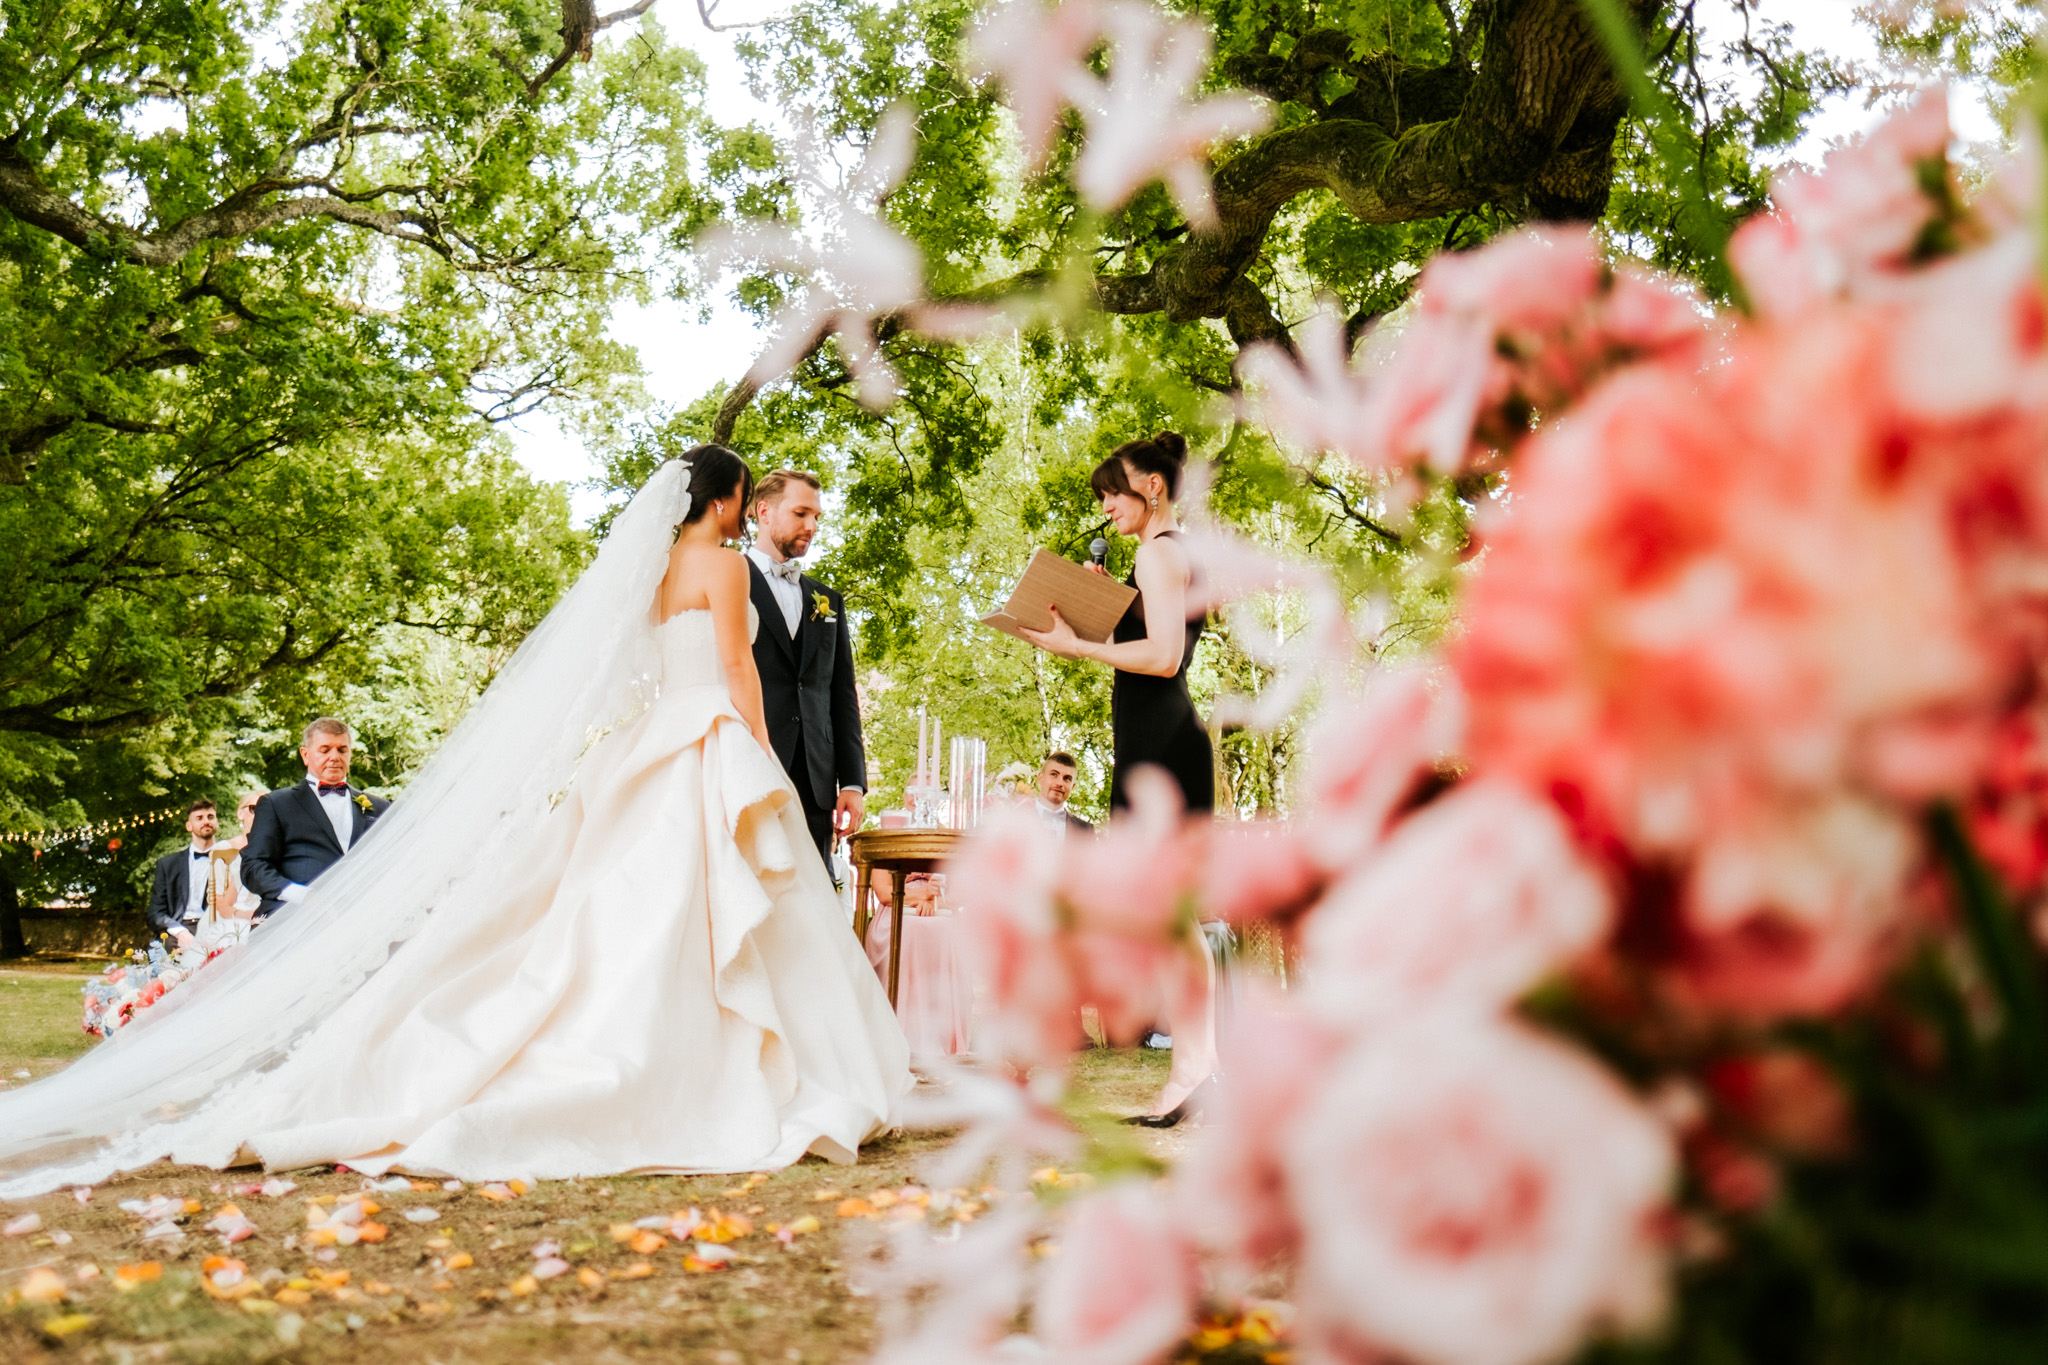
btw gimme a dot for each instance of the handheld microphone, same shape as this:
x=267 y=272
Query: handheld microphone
x=1098 y=550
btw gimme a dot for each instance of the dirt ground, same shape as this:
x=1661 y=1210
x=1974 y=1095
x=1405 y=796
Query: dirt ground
x=617 y=1269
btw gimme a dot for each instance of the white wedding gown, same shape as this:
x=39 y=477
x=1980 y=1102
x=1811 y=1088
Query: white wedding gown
x=592 y=937
x=674 y=987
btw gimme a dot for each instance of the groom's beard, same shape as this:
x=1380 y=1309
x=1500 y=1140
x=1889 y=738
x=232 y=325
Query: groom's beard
x=792 y=548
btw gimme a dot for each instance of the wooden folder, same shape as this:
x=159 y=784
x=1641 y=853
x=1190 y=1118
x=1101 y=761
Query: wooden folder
x=1092 y=603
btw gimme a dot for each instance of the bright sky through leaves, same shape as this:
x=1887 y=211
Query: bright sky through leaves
x=684 y=358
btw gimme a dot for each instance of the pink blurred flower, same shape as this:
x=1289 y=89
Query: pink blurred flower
x=1141 y=124
x=1258 y=870
x=1123 y=1287
x=1136 y=876
x=1526 y=324
x=1471 y=902
x=1108 y=922
x=1525 y=284
x=1431 y=393
x=1034 y=49
x=1367 y=753
x=1862 y=214
x=1474 y=1194
x=1718 y=599
x=1233 y=1186
x=1798 y=916
x=1011 y=931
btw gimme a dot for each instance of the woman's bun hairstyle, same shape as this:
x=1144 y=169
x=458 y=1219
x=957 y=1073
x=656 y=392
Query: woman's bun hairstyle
x=715 y=473
x=1163 y=454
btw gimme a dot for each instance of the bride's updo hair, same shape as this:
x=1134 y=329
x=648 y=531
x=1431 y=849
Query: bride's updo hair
x=1163 y=455
x=715 y=473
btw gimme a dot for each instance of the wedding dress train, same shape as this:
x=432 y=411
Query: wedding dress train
x=675 y=988
x=555 y=957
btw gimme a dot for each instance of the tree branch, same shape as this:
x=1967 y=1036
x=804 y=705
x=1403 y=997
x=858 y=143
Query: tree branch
x=1353 y=513
x=248 y=210
x=580 y=26
x=1533 y=131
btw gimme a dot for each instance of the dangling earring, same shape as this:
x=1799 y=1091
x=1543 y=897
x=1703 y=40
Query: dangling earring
x=1154 y=502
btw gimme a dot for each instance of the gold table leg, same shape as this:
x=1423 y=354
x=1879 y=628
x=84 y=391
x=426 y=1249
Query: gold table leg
x=896 y=880
x=863 y=883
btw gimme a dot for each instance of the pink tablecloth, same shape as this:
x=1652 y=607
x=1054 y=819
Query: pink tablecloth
x=935 y=1002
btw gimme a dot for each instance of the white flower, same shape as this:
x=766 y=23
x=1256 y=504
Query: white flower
x=861 y=268
x=1034 y=50
x=1141 y=124
x=1315 y=399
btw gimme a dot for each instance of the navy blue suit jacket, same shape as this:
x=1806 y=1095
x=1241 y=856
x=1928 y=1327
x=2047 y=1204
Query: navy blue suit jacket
x=290 y=840
x=169 y=888
x=807 y=690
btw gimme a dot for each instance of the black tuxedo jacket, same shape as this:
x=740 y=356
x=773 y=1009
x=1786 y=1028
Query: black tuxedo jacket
x=1077 y=824
x=807 y=690
x=169 y=888
x=290 y=840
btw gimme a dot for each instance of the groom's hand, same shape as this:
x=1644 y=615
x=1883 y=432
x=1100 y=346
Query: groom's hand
x=847 y=815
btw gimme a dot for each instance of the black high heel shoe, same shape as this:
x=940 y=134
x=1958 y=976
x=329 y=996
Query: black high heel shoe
x=1172 y=1117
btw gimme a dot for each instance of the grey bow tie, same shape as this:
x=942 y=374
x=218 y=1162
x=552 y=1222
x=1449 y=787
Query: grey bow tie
x=788 y=570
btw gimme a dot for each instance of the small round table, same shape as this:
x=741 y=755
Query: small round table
x=895 y=851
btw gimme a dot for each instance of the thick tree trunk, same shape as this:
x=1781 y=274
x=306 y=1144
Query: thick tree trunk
x=13 y=943
x=1530 y=132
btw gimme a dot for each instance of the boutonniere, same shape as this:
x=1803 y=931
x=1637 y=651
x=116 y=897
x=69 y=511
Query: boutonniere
x=362 y=799
x=821 y=609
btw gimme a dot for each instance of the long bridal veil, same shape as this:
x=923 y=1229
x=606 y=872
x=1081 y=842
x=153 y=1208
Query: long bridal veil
x=169 y=1080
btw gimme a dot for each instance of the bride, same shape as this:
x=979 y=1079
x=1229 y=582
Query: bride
x=594 y=937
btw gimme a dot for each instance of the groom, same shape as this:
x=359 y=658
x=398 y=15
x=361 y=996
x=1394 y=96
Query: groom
x=302 y=830
x=805 y=657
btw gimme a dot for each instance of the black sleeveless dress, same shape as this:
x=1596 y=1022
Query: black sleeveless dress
x=1153 y=720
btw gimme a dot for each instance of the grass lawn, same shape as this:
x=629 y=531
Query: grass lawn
x=40 y=1008
x=459 y=1288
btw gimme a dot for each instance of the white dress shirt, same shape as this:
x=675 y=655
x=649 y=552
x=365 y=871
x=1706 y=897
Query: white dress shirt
x=1054 y=816
x=338 y=813
x=198 y=864
x=788 y=593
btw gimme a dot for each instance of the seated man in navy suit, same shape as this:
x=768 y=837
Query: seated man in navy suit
x=302 y=830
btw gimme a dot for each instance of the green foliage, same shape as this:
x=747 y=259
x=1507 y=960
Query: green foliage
x=1696 y=164
x=924 y=531
x=246 y=461
x=269 y=279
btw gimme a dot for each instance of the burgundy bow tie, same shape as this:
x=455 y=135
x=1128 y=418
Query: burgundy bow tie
x=326 y=787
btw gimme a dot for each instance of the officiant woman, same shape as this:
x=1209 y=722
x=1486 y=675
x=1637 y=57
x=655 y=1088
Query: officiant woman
x=1152 y=718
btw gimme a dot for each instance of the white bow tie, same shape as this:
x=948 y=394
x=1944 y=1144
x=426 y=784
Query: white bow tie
x=788 y=570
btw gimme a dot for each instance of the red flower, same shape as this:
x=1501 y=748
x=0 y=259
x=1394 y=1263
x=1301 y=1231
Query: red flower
x=1786 y=1099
